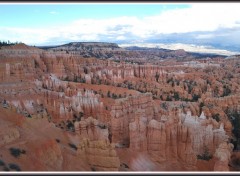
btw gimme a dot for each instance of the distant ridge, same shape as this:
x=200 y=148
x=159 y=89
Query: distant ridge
x=20 y=46
x=105 y=50
x=76 y=46
x=177 y=52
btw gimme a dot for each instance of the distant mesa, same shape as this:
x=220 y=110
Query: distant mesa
x=76 y=46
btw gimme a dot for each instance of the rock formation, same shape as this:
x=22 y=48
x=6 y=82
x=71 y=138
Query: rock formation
x=100 y=155
x=124 y=111
x=223 y=156
x=95 y=98
x=91 y=129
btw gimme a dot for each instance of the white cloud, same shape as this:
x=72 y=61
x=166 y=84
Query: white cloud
x=205 y=36
x=186 y=47
x=199 y=17
x=53 y=12
x=121 y=38
x=211 y=35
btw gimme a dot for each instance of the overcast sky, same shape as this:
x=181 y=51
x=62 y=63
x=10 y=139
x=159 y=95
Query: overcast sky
x=210 y=24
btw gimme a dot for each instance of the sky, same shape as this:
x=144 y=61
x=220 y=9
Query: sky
x=212 y=25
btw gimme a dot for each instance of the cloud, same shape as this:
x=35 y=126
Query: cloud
x=121 y=38
x=53 y=12
x=186 y=47
x=205 y=36
x=199 y=17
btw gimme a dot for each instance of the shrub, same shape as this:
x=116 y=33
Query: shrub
x=70 y=125
x=201 y=104
x=81 y=114
x=6 y=169
x=2 y=163
x=109 y=94
x=236 y=161
x=216 y=117
x=23 y=152
x=164 y=106
x=66 y=79
x=102 y=126
x=226 y=91
x=124 y=165
x=16 y=152
x=14 y=167
x=73 y=146
x=206 y=155
x=195 y=97
x=93 y=169
x=57 y=140
x=176 y=96
x=168 y=98
x=114 y=96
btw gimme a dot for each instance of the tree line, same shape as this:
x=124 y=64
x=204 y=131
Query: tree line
x=7 y=43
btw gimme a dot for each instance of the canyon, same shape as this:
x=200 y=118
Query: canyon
x=98 y=107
